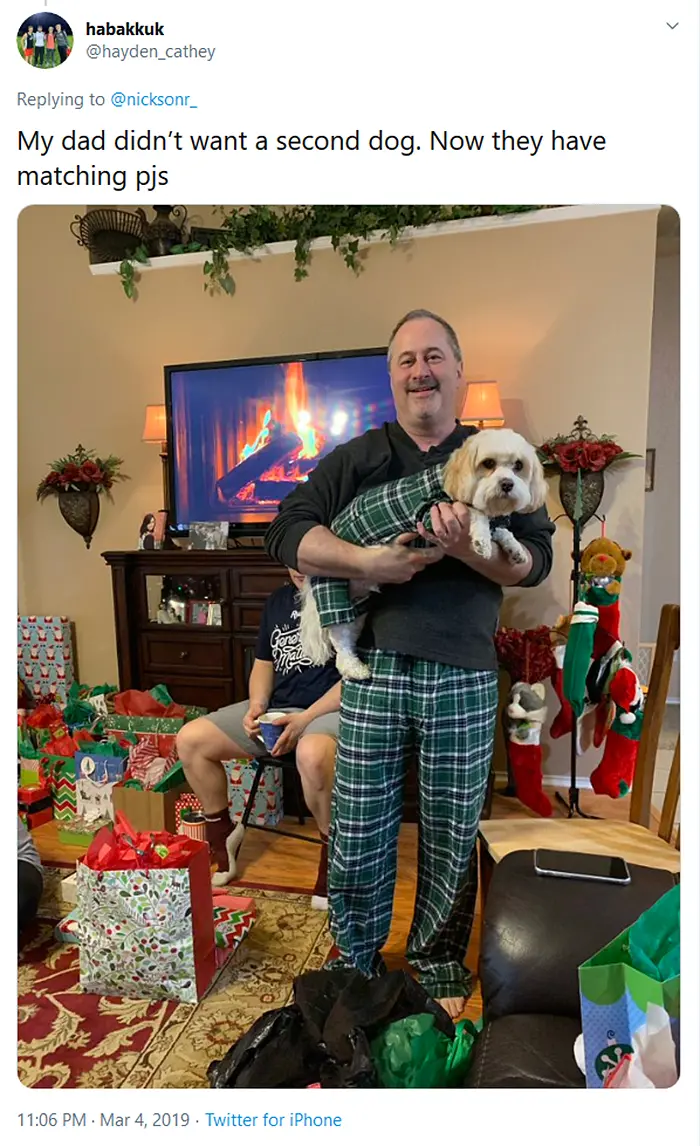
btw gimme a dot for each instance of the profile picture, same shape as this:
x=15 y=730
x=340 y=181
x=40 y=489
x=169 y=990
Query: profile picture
x=45 y=40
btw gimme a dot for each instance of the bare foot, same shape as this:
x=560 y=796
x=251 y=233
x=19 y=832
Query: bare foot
x=454 y=1006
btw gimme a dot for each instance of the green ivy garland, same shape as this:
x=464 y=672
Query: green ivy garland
x=245 y=229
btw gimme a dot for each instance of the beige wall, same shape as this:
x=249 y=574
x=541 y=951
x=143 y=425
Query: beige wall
x=560 y=314
x=661 y=558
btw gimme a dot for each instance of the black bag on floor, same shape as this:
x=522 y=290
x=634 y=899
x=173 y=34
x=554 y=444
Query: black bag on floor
x=324 y=1035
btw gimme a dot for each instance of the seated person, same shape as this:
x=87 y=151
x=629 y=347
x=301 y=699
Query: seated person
x=30 y=878
x=283 y=680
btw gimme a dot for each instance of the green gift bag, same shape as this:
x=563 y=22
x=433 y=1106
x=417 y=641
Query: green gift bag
x=638 y=970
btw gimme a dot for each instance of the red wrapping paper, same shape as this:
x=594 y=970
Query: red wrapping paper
x=135 y=703
x=123 y=849
x=45 y=716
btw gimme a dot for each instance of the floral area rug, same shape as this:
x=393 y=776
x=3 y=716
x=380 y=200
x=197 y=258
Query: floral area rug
x=70 y=1039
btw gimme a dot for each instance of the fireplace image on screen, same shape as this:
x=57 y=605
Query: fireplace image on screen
x=243 y=435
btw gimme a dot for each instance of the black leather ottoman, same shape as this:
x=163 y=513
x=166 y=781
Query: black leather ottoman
x=536 y=932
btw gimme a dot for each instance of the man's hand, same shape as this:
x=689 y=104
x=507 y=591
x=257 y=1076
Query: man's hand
x=294 y=724
x=250 y=720
x=395 y=564
x=450 y=529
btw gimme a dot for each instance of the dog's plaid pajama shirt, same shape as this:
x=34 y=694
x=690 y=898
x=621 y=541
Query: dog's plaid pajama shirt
x=448 y=714
x=376 y=517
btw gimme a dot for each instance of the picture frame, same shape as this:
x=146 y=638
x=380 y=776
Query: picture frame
x=197 y=612
x=650 y=471
x=208 y=534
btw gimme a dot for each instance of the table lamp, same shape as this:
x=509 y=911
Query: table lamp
x=156 y=430
x=482 y=406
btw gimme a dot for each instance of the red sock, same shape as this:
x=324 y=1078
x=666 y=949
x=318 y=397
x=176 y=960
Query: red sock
x=218 y=828
x=526 y=762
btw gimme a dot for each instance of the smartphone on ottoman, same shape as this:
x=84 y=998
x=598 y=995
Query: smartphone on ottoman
x=575 y=865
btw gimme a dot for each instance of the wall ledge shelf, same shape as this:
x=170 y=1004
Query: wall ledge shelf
x=452 y=227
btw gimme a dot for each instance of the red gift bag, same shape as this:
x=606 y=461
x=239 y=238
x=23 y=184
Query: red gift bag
x=146 y=915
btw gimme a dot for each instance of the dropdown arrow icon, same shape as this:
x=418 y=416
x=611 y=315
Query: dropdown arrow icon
x=672 y=26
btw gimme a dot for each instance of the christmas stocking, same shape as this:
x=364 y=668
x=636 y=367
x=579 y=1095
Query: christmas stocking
x=526 y=763
x=577 y=659
x=563 y=722
x=526 y=714
x=608 y=628
x=615 y=773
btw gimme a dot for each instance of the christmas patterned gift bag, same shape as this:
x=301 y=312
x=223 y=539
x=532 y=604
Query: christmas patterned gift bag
x=233 y=918
x=45 y=656
x=267 y=808
x=147 y=925
x=61 y=772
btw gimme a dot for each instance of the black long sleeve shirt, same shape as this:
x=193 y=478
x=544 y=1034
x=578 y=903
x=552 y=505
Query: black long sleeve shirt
x=446 y=613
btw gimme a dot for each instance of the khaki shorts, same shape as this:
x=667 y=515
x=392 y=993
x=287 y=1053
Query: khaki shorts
x=230 y=721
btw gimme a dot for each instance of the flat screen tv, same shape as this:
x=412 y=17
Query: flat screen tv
x=242 y=435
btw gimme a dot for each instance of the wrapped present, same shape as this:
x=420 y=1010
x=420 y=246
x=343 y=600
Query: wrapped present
x=142 y=724
x=187 y=802
x=45 y=656
x=35 y=805
x=146 y=916
x=69 y=889
x=630 y=1000
x=233 y=918
x=268 y=807
x=78 y=833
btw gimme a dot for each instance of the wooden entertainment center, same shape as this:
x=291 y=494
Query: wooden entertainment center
x=202 y=663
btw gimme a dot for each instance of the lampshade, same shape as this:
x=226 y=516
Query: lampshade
x=482 y=405
x=155 y=429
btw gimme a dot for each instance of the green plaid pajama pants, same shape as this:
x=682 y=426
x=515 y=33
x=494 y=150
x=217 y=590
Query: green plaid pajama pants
x=449 y=714
x=373 y=518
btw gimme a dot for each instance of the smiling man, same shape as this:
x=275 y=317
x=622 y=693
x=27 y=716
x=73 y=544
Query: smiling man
x=433 y=689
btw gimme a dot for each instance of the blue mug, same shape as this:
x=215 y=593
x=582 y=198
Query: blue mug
x=269 y=732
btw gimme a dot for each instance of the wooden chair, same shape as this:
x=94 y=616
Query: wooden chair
x=635 y=840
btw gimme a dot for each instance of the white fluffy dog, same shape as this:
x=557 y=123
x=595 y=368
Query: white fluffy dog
x=494 y=472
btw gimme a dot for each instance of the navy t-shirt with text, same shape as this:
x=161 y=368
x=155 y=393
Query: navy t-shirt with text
x=298 y=683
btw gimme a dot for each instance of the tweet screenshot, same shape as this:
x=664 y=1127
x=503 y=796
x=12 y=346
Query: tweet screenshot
x=351 y=542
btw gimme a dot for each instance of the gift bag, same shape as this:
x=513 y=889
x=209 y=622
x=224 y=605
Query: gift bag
x=630 y=997
x=146 y=916
x=46 y=660
x=61 y=771
x=268 y=808
x=233 y=918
